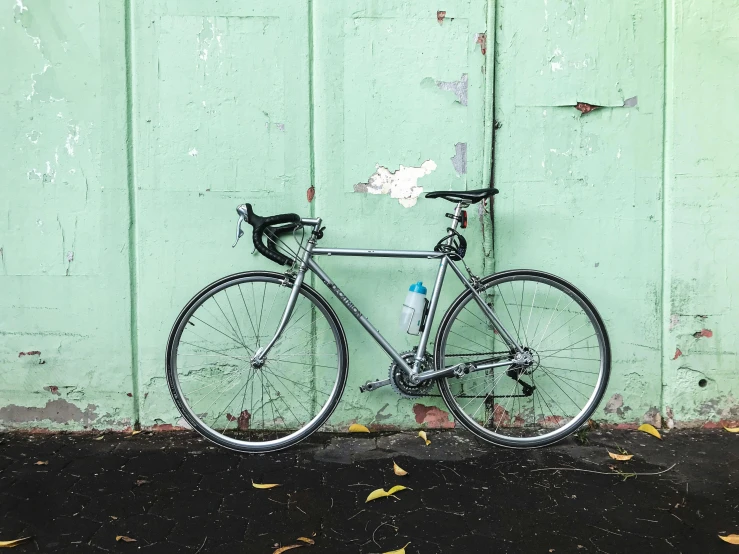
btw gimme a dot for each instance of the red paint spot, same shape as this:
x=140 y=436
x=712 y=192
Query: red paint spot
x=310 y=194
x=500 y=416
x=584 y=107
x=243 y=420
x=552 y=421
x=163 y=427
x=130 y=395
x=53 y=390
x=678 y=353
x=440 y=15
x=432 y=416
x=703 y=333
x=30 y=353
x=482 y=40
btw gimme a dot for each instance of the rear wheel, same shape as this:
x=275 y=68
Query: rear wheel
x=249 y=408
x=544 y=395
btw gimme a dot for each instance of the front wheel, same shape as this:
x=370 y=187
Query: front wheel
x=552 y=390
x=248 y=407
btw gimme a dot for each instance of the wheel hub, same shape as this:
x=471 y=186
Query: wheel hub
x=526 y=362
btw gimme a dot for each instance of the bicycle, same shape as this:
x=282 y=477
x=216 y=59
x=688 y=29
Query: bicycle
x=510 y=350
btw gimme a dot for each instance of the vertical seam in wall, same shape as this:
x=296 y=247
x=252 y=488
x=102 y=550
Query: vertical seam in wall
x=666 y=181
x=132 y=243
x=492 y=21
x=312 y=166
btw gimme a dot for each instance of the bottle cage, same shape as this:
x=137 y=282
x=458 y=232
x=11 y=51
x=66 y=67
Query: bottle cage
x=457 y=247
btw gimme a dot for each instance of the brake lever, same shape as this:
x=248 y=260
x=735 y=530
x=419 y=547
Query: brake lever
x=239 y=232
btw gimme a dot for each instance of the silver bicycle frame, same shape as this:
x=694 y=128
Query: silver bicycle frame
x=413 y=372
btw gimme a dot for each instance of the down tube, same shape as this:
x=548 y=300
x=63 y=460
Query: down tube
x=386 y=346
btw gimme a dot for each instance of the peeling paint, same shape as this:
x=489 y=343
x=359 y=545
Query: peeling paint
x=678 y=353
x=310 y=193
x=57 y=411
x=432 y=416
x=30 y=353
x=482 y=40
x=653 y=417
x=193 y=152
x=459 y=160
x=674 y=321
x=401 y=184
x=440 y=15
x=703 y=333
x=53 y=389
x=459 y=88
x=615 y=405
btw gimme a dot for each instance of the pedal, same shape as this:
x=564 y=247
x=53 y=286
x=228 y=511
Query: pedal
x=369 y=386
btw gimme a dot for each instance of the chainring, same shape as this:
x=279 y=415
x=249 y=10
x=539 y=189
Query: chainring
x=402 y=385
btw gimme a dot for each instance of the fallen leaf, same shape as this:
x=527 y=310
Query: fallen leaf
x=422 y=434
x=732 y=429
x=13 y=543
x=40 y=463
x=124 y=538
x=731 y=539
x=620 y=457
x=135 y=433
x=357 y=428
x=399 y=470
x=381 y=493
x=647 y=428
x=258 y=486
x=401 y=551
x=113 y=517
x=99 y=438
x=306 y=540
x=286 y=548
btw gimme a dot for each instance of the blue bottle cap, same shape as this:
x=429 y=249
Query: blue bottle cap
x=418 y=287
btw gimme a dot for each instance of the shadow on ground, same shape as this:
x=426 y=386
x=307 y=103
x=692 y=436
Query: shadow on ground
x=174 y=492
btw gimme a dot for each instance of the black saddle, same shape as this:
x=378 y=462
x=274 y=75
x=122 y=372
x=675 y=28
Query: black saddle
x=467 y=196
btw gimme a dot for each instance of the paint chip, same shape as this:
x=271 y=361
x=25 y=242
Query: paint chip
x=459 y=160
x=482 y=40
x=459 y=88
x=440 y=15
x=401 y=184
x=193 y=152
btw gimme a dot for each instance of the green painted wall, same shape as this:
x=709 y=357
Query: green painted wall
x=130 y=130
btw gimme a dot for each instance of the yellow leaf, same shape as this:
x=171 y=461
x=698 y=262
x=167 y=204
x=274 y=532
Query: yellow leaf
x=13 y=543
x=135 y=433
x=732 y=429
x=381 y=493
x=99 y=438
x=124 y=538
x=422 y=434
x=286 y=548
x=40 y=463
x=649 y=429
x=258 y=486
x=401 y=551
x=357 y=428
x=731 y=539
x=306 y=540
x=399 y=470
x=620 y=457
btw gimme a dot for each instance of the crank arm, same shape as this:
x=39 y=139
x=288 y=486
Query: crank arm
x=369 y=386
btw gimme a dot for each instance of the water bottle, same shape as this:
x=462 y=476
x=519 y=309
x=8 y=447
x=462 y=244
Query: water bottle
x=413 y=309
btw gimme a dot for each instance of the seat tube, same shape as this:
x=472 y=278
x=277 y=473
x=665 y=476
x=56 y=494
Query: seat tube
x=435 y=294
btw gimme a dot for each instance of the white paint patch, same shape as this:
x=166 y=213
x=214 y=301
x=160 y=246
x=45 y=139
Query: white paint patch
x=70 y=256
x=193 y=152
x=20 y=6
x=33 y=137
x=73 y=137
x=401 y=184
x=618 y=154
x=557 y=66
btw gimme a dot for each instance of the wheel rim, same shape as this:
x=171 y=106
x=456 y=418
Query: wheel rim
x=554 y=387
x=242 y=405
